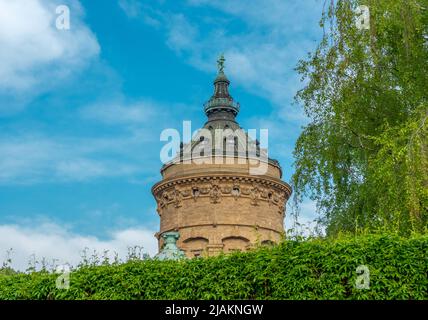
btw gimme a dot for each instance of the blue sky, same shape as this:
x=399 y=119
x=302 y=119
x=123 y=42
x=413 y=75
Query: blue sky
x=81 y=110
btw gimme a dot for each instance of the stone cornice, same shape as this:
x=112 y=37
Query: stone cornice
x=222 y=177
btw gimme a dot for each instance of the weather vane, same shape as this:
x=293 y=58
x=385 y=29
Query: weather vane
x=220 y=63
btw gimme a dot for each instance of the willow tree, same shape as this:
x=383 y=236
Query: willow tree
x=363 y=155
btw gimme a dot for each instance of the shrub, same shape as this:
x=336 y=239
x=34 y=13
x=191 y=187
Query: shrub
x=300 y=269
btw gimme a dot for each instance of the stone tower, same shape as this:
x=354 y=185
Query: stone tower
x=221 y=192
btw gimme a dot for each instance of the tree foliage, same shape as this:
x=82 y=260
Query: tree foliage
x=363 y=157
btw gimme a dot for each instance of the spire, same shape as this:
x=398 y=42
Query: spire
x=220 y=63
x=221 y=103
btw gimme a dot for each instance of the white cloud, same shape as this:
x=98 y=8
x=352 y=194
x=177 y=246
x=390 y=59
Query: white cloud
x=133 y=151
x=260 y=57
x=289 y=16
x=262 y=41
x=52 y=241
x=34 y=54
x=33 y=158
x=85 y=169
x=124 y=113
x=181 y=34
x=132 y=8
x=138 y=9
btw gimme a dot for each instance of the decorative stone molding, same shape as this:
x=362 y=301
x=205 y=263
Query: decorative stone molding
x=205 y=190
x=215 y=194
x=216 y=187
x=246 y=191
x=199 y=180
x=226 y=189
x=178 y=197
x=254 y=194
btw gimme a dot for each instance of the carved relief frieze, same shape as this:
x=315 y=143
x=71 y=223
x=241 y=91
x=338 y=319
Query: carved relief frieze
x=257 y=189
x=215 y=194
x=246 y=191
x=255 y=195
x=205 y=190
x=226 y=189
x=186 y=193
x=178 y=197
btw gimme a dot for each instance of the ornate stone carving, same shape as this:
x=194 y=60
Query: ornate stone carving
x=178 y=197
x=264 y=193
x=255 y=194
x=226 y=189
x=246 y=191
x=276 y=198
x=165 y=196
x=215 y=194
x=186 y=193
x=205 y=190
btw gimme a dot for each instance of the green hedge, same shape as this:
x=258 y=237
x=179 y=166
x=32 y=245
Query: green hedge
x=311 y=269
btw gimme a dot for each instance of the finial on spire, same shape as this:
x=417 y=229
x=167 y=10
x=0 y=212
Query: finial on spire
x=220 y=63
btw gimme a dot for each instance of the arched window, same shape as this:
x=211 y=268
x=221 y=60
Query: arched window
x=235 y=243
x=196 y=245
x=268 y=243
